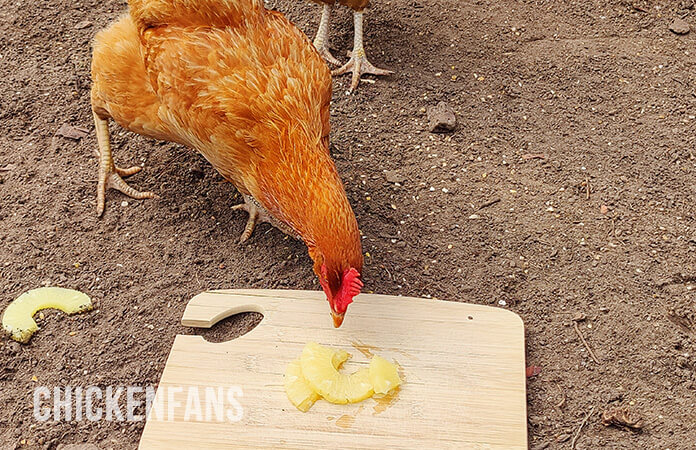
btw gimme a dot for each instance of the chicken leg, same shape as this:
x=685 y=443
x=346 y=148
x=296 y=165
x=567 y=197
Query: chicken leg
x=321 y=41
x=110 y=176
x=358 y=63
x=257 y=214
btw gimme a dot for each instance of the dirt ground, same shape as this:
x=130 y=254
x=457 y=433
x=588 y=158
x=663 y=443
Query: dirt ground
x=601 y=226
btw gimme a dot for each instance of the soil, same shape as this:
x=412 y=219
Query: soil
x=567 y=191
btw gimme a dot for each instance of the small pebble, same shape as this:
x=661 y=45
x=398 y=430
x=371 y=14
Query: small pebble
x=392 y=176
x=563 y=438
x=441 y=118
x=12 y=347
x=679 y=26
x=83 y=24
x=124 y=203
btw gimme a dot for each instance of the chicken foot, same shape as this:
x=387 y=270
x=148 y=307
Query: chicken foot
x=258 y=213
x=110 y=176
x=321 y=41
x=358 y=63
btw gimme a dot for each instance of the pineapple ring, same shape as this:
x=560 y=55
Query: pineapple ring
x=298 y=390
x=323 y=377
x=18 y=320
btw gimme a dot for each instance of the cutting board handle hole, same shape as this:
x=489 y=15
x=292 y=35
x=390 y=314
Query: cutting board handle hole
x=230 y=327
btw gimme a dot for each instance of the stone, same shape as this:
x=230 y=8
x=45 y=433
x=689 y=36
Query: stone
x=679 y=26
x=441 y=118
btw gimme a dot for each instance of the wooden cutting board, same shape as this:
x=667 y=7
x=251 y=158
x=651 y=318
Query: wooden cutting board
x=463 y=368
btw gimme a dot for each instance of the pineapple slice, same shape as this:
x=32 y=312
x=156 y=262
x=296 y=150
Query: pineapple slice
x=298 y=390
x=383 y=375
x=17 y=319
x=323 y=377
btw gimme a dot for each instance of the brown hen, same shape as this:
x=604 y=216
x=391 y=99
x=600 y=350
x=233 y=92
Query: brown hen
x=244 y=87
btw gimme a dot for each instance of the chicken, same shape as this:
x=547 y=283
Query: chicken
x=358 y=63
x=247 y=89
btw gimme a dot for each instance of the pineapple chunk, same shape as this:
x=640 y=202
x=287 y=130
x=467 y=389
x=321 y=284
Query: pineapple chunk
x=323 y=377
x=298 y=390
x=383 y=375
x=17 y=319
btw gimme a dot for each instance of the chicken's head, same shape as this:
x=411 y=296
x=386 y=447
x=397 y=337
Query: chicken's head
x=340 y=288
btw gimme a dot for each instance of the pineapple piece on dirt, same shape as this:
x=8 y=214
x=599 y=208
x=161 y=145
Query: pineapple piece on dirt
x=298 y=390
x=323 y=377
x=17 y=320
x=383 y=375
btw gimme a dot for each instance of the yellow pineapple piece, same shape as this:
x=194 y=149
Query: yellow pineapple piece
x=383 y=375
x=18 y=320
x=324 y=379
x=298 y=390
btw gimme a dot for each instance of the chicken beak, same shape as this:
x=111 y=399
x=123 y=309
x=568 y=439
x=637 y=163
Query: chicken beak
x=337 y=319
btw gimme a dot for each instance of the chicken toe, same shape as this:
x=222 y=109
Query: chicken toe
x=358 y=63
x=127 y=172
x=110 y=176
x=325 y=53
x=258 y=214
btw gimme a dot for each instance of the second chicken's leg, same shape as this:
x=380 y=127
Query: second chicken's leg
x=109 y=174
x=358 y=63
x=321 y=41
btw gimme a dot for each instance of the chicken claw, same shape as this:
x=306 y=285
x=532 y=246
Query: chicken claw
x=110 y=176
x=256 y=214
x=325 y=53
x=358 y=63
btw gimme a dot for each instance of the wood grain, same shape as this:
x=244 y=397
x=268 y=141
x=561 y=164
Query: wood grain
x=463 y=367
